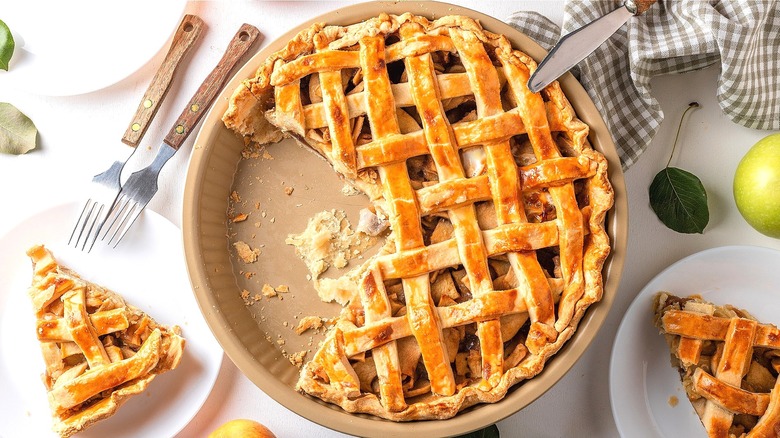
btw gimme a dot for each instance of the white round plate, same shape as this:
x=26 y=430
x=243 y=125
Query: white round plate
x=68 y=47
x=147 y=269
x=642 y=381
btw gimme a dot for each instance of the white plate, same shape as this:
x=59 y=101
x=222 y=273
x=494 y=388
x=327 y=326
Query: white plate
x=68 y=47
x=641 y=378
x=148 y=270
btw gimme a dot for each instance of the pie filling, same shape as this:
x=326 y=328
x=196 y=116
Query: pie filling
x=728 y=363
x=495 y=200
x=98 y=349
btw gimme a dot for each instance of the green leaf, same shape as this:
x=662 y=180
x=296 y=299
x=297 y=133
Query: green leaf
x=18 y=133
x=6 y=45
x=488 y=432
x=679 y=200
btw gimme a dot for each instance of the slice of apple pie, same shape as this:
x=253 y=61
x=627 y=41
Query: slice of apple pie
x=728 y=363
x=98 y=349
x=495 y=199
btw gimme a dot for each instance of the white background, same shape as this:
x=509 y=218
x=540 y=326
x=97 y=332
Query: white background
x=80 y=135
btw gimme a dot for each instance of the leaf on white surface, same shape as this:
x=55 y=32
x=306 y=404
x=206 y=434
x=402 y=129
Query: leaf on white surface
x=679 y=200
x=677 y=196
x=18 y=134
x=7 y=45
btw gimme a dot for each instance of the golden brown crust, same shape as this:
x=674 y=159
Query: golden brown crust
x=502 y=210
x=98 y=349
x=728 y=364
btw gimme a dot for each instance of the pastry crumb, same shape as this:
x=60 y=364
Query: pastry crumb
x=297 y=358
x=289 y=190
x=268 y=291
x=248 y=298
x=308 y=323
x=283 y=288
x=235 y=196
x=673 y=400
x=246 y=253
x=240 y=217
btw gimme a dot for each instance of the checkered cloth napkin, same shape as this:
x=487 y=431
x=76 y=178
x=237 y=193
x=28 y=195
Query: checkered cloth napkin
x=674 y=36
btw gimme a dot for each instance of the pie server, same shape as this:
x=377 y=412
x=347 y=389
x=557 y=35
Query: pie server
x=575 y=46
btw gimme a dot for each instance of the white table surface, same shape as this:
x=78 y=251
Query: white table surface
x=81 y=134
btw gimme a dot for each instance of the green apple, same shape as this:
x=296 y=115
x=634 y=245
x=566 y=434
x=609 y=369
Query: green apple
x=757 y=186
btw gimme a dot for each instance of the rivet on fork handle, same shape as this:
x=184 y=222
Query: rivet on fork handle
x=241 y=42
x=189 y=31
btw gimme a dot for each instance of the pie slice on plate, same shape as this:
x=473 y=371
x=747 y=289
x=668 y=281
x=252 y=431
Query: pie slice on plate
x=494 y=196
x=728 y=363
x=98 y=349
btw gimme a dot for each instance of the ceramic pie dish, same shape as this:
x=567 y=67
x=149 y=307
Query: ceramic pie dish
x=277 y=192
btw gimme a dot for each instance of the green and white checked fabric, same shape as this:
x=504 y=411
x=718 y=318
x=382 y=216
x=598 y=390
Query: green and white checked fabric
x=674 y=36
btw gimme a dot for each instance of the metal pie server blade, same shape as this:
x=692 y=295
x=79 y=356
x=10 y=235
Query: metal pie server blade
x=575 y=46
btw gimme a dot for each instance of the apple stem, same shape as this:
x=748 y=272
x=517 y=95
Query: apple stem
x=691 y=106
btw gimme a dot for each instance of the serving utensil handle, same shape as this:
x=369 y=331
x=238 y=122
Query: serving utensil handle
x=638 y=7
x=200 y=102
x=189 y=31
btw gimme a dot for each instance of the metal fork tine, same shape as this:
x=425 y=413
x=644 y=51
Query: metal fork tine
x=73 y=233
x=92 y=224
x=123 y=221
x=89 y=218
x=76 y=227
x=115 y=214
x=100 y=226
x=96 y=225
x=127 y=223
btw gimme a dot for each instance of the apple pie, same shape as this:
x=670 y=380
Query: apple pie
x=728 y=363
x=494 y=196
x=98 y=349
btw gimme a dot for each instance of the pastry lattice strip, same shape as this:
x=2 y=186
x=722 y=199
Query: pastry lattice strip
x=737 y=337
x=502 y=184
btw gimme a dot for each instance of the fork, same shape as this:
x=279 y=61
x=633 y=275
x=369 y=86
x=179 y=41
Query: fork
x=105 y=186
x=141 y=186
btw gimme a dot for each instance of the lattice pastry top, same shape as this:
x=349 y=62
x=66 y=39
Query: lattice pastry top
x=495 y=199
x=98 y=349
x=728 y=362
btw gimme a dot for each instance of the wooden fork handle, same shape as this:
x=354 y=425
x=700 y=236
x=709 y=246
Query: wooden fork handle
x=200 y=102
x=189 y=31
